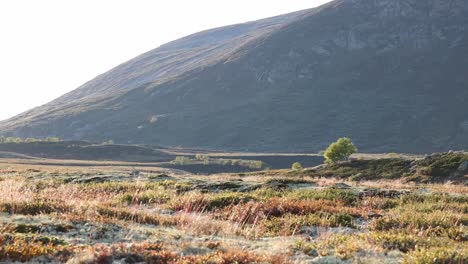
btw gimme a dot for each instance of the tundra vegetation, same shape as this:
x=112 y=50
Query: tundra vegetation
x=363 y=211
x=206 y=160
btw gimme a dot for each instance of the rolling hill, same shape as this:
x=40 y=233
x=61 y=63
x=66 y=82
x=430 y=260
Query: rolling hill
x=390 y=74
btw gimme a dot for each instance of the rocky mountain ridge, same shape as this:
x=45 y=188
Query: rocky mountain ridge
x=387 y=73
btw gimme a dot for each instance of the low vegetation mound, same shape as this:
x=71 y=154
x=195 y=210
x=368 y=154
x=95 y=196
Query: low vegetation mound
x=440 y=167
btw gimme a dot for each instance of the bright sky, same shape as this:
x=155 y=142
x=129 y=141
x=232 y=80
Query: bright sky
x=50 y=47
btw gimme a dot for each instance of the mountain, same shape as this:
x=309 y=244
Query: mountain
x=390 y=74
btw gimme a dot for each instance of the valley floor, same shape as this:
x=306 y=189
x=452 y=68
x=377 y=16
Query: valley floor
x=126 y=214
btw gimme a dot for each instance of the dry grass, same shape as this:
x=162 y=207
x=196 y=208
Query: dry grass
x=195 y=219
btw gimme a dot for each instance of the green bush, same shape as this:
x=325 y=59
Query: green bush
x=24 y=228
x=290 y=224
x=395 y=240
x=296 y=166
x=339 y=150
x=204 y=158
x=182 y=160
x=225 y=199
x=437 y=255
x=146 y=197
x=345 y=196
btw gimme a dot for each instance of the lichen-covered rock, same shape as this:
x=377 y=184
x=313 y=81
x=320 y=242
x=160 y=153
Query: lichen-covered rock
x=463 y=167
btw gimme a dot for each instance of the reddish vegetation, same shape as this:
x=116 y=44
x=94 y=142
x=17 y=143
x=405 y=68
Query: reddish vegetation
x=252 y=212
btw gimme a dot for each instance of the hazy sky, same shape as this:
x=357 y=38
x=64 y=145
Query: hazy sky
x=50 y=47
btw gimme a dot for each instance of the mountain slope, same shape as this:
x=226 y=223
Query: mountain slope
x=161 y=64
x=387 y=73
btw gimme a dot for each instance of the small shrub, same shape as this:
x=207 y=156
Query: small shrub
x=201 y=157
x=345 y=196
x=34 y=208
x=252 y=164
x=339 y=150
x=342 y=246
x=145 y=197
x=182 y=160
x=437 y=255
x=137 y=217
x=50 y=240
x=356 y=177
x=395 y=240
x=109 y=187
x=436 y=222
x=24 y=228
x=24 y=249
x=197 y=202
x=266 y=193
x=296 y=166
x=290 y=224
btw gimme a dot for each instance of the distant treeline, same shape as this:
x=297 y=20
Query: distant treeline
x=207 y=160
x=27 y=140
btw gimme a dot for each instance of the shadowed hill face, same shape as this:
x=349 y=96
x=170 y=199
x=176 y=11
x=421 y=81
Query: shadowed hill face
x=159 y=65
x=77 y=150
x=172 y=59
x=387 y=73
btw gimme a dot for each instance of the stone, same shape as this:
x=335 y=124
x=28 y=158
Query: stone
x=463 y=166
x=94 y=179
x=422 y=191
x=311 y=231
x=167 y=212
x=313 y=253
x=249 y=188
x=328 y=260
x=341 y=185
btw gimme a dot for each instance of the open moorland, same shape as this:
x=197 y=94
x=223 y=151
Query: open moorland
x=82 y=153
x=389 y=209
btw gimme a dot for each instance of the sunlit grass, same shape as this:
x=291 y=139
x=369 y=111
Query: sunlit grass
x=44 y=211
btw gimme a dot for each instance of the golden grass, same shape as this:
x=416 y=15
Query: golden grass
x=424 y=226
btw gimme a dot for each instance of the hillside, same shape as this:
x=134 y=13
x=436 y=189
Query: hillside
x=390 y=74
x=78 y=150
